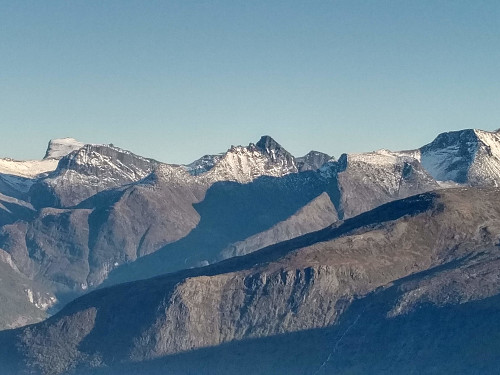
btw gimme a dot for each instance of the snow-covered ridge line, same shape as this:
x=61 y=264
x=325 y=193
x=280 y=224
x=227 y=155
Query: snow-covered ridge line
x=380 y=157
x=461 y=156
x=89 y=147
x=27 y=168
x=245 y=163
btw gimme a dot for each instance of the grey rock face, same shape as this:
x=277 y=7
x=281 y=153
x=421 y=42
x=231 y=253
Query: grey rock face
x=276 y=153
x=23 y=302
x=312 y=161
x=364 y=181
x=232 y=212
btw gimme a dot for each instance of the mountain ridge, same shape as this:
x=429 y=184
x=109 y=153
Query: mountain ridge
x=104 y=209
x=304 y=283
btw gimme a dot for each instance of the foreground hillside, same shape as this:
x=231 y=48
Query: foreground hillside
x=314 y=304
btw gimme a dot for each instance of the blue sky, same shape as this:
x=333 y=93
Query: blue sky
x=175 y=80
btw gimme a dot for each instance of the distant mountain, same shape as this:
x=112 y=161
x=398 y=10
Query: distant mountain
x=87 y=171
x=244 y=164
x=421 y=272
x=369 y=179
x=17 y=177
x=468 y=156
x=312 y=161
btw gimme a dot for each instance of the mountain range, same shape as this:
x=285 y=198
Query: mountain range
x=251 y=253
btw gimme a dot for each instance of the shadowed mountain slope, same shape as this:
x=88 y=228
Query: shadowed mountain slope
x=303 y=284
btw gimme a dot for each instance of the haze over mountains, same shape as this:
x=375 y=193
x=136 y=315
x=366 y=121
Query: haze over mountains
x=295 y=248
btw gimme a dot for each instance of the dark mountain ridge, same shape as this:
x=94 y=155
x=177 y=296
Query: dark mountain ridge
x=304 y=284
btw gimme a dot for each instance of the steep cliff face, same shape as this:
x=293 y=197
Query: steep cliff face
x=302 y=284
x=23 y=301
x=60 y=147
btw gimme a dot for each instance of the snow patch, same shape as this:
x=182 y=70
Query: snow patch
x=61 y=147
x=28 y=168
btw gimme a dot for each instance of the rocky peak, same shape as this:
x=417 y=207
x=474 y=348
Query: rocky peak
x=268 y=144
x=245 y=163
x=460 y=137
x=94 y=159
x=274 y=150
x=61 y=147
x=87 y=171
x=313 y=160
x=467 y=156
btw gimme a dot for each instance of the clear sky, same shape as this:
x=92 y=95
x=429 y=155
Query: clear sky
x=174 y=80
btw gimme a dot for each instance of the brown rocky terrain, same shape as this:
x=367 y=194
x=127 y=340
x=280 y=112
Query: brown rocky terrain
x=375 y=271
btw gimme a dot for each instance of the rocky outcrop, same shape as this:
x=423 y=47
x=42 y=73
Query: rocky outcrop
x=312 y=161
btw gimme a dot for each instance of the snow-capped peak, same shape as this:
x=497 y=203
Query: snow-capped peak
x=245 y=163
x=468 y=156
x=61 y=147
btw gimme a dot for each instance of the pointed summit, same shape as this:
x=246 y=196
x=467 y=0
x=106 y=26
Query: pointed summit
x=269 y=147
x=276 y=153
x=268 y=144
